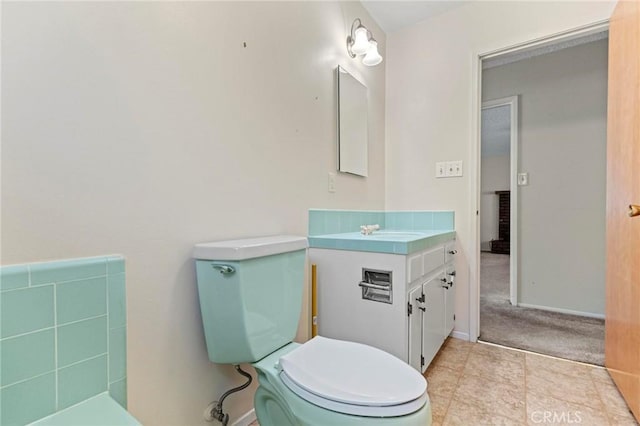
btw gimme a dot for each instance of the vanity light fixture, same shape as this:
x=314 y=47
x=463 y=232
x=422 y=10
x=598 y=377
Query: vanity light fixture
x=361 y=42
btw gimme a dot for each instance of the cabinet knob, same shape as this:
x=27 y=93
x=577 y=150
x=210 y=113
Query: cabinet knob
x=453 y=251
x=444 y=280
x=422 y=309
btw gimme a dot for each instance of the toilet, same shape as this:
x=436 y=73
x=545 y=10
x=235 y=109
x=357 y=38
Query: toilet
x=250 y=297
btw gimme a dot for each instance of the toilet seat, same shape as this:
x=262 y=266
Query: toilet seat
x=353 y=378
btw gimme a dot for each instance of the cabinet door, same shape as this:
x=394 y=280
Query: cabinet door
x=433 y=322
x=449 y=300
x=415 y=327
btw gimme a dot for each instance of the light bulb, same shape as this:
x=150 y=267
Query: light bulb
x=361 y=41
x=372 y=57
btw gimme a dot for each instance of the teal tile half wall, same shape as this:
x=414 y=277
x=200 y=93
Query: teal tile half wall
x=322 y=222
x=62 y=336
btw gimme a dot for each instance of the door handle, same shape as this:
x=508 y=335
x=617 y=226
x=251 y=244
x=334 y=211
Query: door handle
x=634 y=210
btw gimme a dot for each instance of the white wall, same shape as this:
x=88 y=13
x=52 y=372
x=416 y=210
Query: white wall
x=562 y=145
x=494 y=177
x=432 y=82
x=142 y=128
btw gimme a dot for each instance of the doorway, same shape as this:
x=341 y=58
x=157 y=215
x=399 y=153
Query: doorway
x=499 y=196
x=542 y=199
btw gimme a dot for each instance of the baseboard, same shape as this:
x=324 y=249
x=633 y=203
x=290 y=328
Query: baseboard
x=460 y=335
x=562 y=311
x=246 y=419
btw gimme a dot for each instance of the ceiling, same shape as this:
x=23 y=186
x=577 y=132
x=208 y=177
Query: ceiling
x=393 y=15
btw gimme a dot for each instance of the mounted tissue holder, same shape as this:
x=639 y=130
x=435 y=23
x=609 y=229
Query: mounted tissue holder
x=377 y=285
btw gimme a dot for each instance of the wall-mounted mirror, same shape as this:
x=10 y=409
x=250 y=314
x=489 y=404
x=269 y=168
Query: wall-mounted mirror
x=353 y=136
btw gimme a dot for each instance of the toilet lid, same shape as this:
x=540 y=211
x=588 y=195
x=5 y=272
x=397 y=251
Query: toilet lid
x=352 y=373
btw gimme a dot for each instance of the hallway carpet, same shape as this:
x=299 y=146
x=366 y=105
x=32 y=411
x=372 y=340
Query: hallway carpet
x=565 y=336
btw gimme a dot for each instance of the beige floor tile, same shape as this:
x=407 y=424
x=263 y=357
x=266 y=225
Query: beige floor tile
x=547 y=367
x=439 y=406
x=466 y=413
x=572 y=389
x=496 y=352
x=458 y=343
x=452 y=356
x=442 y=380
x=495 y=367
x=544 y=409
x=613 y=401
x=494 y=397
x=600 y=374
x=623 y=420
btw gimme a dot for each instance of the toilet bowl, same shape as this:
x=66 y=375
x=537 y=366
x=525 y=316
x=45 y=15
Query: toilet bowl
x=332 y=401
x=250 y=298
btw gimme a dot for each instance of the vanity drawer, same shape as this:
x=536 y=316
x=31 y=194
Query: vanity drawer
x=433 y=259
x=415 y=268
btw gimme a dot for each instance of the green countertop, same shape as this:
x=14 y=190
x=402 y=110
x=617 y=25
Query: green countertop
x=383 y=241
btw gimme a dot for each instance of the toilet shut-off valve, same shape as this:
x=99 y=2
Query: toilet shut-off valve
x=214 y=410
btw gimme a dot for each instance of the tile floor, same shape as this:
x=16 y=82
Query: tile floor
x=479 y=384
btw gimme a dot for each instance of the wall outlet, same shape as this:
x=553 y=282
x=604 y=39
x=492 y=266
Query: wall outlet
x=441 y=169
x=332 y=182
x=523 y=179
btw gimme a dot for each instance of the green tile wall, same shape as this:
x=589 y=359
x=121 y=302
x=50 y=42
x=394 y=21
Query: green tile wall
x=82 y=340
x=339 y=221
x=81 y=381
x=62 y=335
x=322 y=222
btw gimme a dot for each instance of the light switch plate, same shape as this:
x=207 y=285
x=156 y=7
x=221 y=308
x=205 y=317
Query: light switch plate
x=441 y=169
x=457 y=168
x=450 y=168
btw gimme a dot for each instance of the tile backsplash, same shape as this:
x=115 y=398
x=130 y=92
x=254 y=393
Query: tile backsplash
x=62 y=335
x=338 y=221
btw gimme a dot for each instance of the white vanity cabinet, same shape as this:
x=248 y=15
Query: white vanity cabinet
x=449 y=288
x=402 y=304
x=431 y=304
x=432 y=311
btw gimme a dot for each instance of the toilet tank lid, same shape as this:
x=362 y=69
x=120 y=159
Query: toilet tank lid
x=249 y=248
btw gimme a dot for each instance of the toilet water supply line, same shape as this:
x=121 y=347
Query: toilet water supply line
x=216 y=411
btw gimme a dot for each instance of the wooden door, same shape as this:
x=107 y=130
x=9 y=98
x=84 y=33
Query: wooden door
x=622 y=324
